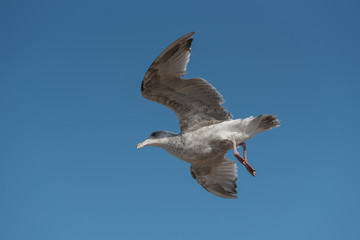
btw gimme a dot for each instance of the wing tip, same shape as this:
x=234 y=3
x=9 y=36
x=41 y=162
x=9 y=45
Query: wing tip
x=223 y=194
x=186 y=36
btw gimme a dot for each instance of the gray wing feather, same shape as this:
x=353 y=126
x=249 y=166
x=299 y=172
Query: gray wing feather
x=217 y=177
x=195 y=101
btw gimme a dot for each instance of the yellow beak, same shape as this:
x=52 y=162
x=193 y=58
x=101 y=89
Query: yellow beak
x=143 y=144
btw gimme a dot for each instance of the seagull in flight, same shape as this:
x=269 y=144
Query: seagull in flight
x=208 y=130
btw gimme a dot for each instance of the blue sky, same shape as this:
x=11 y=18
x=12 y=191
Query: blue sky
x=72 y=114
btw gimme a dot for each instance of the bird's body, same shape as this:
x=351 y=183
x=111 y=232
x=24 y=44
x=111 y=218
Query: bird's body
x=207 y=128
x=208 y=142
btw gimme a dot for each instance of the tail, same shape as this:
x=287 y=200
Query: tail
x=262 y=123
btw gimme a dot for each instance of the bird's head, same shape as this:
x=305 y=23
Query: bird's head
x=158 y=139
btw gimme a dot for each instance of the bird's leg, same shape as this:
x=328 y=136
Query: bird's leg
x=241 y=159
x=243 y=144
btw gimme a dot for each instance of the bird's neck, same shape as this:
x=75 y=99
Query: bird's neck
x=160 y=142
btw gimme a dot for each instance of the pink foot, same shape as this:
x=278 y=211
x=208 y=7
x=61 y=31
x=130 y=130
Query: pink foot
x=241 y=159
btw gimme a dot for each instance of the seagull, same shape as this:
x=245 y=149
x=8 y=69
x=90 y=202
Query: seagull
x=208 y=130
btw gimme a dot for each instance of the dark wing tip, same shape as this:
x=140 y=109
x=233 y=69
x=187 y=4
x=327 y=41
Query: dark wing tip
x=188 y=35
x=184 y=41
x=189 y=41
x=142 y=86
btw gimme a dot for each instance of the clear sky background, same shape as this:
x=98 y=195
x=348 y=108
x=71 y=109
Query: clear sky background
x=72 y=114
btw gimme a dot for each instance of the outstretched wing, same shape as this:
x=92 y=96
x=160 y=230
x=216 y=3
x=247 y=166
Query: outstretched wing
x=195 y=102
x=218 y=177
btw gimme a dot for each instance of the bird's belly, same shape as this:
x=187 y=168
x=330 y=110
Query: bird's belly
x=200 y=148
x=209 y=142
x=192 y=154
